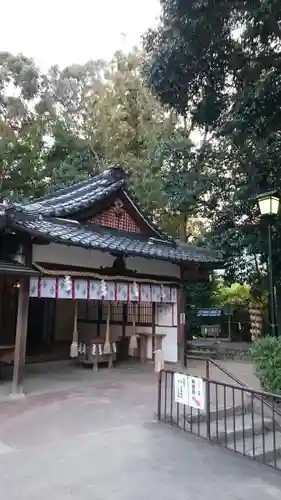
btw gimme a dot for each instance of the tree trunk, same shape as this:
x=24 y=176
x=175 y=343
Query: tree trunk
x=182 y=228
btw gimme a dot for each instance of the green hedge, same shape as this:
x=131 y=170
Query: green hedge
x=266 y=355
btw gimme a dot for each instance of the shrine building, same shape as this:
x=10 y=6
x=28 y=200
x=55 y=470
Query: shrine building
x=84 y=273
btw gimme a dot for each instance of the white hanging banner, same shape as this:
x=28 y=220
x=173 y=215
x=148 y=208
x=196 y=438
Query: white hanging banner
x=80 y=289
x=48 y=287
x=134 y=292
x=174 y=295
x=110 y=291
x=145 y=293
x=122 y=292
x=94 y=290
x=64 y=290
x=155 y=293
x=33 y=287
x=166 y=297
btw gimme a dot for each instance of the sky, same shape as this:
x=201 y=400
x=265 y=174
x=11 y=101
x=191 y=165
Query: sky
x=73 y=31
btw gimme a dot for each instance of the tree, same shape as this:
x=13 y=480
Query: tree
x=251 y=132
x=128 y=123
x=189 y=65
x=187 y=173
x=21 y=127
x=235 y=295
x=72 y=92
x=69 y=158
x=190 y=57
x=218 y=65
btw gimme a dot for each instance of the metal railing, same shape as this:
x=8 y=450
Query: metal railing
x=209 y=361
x=243 y=420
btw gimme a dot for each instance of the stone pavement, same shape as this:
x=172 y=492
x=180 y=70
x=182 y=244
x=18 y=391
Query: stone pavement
x=98 y=441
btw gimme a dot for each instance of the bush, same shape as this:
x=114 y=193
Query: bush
x=266 y=355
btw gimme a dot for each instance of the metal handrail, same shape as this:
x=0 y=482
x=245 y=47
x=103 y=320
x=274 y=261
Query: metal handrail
x=258 y=394
x=225 y=371
x=244 y=388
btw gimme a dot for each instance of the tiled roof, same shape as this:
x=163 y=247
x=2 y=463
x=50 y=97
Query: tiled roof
x=99 y=238
x=80 y=196
x=207 y=252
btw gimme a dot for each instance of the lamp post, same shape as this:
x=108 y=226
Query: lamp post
x=269 y=206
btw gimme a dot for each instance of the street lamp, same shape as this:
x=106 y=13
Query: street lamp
x=269 y=206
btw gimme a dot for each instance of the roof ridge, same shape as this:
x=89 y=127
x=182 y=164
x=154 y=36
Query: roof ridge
x=115 y=172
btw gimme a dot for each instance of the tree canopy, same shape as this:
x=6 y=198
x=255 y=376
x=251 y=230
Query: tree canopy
x=61 y=126
x=194 y=119
x=218 y=65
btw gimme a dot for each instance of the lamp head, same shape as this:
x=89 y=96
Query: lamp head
x=268 y=203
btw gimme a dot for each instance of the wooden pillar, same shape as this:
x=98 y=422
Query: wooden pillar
x=21 y=333
x=153 y=338
x=181 y=322
x=124 y=319
x=2 y=278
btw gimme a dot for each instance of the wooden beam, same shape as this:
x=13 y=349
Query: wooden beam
x=21 y=334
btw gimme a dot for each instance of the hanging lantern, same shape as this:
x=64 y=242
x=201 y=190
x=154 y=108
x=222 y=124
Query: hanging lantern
x=103 y=288
x=135 y=291
x=67 y=283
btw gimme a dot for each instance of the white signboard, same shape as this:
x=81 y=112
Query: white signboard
x=181 y=388
x=189 y=391
x=196 y=390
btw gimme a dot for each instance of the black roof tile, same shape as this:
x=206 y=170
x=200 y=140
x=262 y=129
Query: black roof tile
x=99 y=238
x=79 y=196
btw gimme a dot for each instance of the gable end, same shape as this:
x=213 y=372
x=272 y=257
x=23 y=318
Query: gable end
x=116 y=217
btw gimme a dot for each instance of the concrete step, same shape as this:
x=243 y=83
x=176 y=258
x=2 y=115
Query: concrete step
x=231 y=430
x=256 y=449
x=228 y=430
x=234 y=437
x=219 y=414
x=276 y=464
